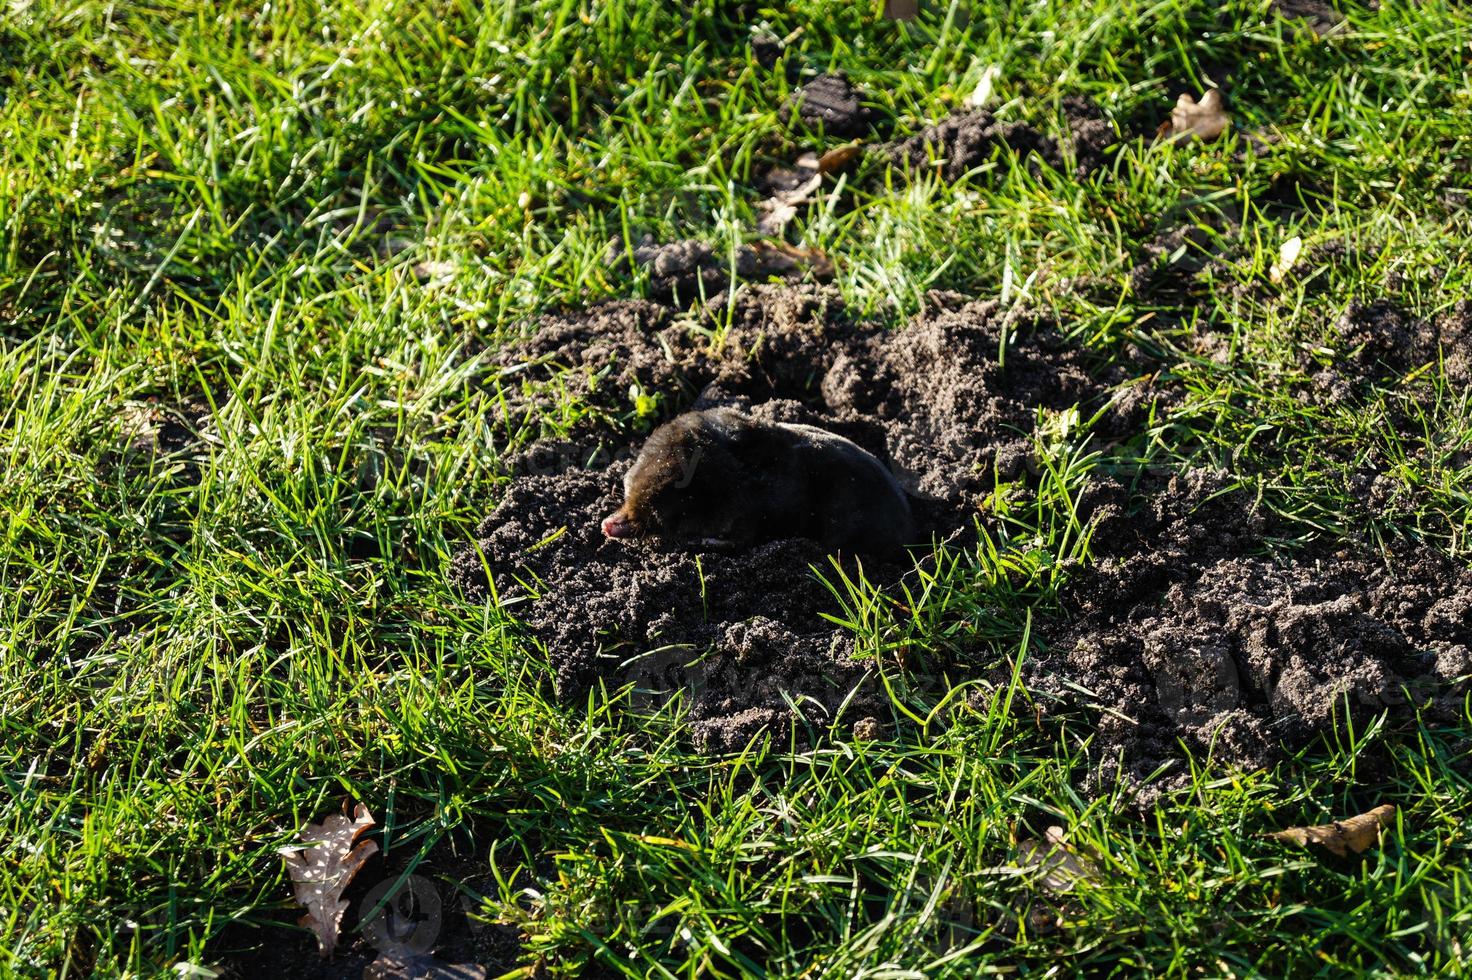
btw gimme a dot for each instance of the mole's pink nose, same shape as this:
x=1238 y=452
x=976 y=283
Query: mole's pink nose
x=618 y=526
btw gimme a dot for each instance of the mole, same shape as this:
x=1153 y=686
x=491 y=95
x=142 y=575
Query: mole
x=723 y=478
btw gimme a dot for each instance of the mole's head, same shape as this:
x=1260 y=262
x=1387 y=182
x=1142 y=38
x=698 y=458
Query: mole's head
x=679 y=483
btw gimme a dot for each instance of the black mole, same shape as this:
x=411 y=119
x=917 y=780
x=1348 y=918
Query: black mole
x=722 y=477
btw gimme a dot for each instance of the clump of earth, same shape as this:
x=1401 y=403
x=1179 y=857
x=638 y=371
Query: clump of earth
x=689 y=270
x=959 y=144
x=1189 y=634
x=830 y=104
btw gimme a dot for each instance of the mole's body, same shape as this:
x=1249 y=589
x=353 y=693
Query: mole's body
x=723 y=477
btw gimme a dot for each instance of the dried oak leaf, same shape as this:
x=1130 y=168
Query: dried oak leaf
x=1053 y=867
x=776 y=211
x=1342 y=837
x=792 y=187
x=1056 y=863
x=1204 y=120
x=406 y=964
x=322 y=868
x=777 y=258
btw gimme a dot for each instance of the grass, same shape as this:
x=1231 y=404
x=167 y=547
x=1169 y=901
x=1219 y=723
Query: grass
x=243 y=432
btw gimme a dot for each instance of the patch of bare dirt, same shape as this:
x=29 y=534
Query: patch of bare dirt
x=1319 y=16
x=959 y=144
x=1189 y=634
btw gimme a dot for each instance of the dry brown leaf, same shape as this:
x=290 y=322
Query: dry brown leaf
x=1054 y=867
x=405 y=964
x=792 y=187
x=839 y=157
x=901 y=9
x=1343 y=837
x=779 y=209
x=1060 y=867
x=777 y=258
x=320 y=869
x=1204 y=120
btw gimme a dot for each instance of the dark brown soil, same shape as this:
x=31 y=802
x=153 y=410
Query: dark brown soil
x=1319 y=16
x=831 y=105
x=1381 y=340
x=1190 y=637
x=1377 y=356
x=1186 y=635
x=686 y=271
x=943 y=399
x=957 y=145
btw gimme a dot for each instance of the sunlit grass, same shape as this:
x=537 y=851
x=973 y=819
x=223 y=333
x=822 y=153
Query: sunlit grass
x=254 y=260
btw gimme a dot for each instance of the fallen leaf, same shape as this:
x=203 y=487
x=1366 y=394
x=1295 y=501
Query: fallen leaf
x=901 y=9
x=981 y=96
x=322 y=868
x=1204 y=120
x=839 y=157
x=405 y=964
x=777 y=258
x=1058 y=865
x=1054 y=868
x=1288 y=254
x=435 y=269
x=777 y=211
x=1342 y=837
x=789 y=188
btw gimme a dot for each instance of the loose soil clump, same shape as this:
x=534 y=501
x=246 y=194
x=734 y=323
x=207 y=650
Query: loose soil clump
x=830 y=104
x=685 y=271
x=1188 y=635
x=959 y=144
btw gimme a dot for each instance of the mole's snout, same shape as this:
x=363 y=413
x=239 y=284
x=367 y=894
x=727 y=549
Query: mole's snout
x=616 y=525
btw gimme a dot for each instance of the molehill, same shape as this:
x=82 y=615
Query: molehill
x=1187 y=634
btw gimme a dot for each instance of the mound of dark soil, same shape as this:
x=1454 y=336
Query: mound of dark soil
x=648 y=612
x=1379 y=339
x=1185 y=633
x=598 y=355
x=965 y=141
x=830 y=104
x=949 y=399
x=1187 y=637
x=684 y=271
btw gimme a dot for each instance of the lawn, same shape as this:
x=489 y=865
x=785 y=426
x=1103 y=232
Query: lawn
x=289 y=292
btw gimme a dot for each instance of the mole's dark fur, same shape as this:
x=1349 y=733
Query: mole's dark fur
x=721 y=476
